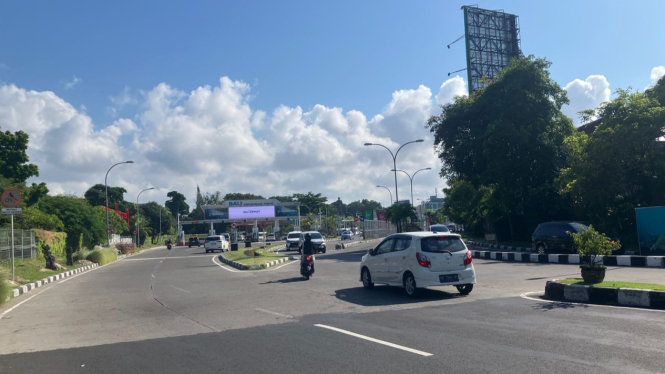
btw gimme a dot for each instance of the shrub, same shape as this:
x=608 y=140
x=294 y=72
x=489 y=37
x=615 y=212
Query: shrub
x=5 y=289
x=590 y=244
x=126 y=248
x=55 y=240
x=81 y=254
x=103 y=256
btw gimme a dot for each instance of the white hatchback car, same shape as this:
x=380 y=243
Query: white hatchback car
x=217 y=242
x=417 y=260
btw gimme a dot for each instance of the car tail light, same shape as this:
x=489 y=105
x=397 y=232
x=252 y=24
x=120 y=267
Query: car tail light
x=423 y=260
x=467 y=258
x=308 y=258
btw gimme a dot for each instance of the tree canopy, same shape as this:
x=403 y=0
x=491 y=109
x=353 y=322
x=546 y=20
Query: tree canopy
x=78 y=217
x=96 y=195
x=14 y=158
x=177 y=203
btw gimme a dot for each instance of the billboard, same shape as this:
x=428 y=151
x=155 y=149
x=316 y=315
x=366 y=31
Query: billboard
x=651 y=230
x=215 y=213
x=251 y=212
x=381 y=216
x=492 y=40
x=368 y=215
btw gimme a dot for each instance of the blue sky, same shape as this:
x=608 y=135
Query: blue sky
x=348 y=54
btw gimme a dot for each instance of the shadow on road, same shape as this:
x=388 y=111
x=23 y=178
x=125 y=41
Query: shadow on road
x=554 y=306
x=353 y=256
x=387 y=295
x=290 y=280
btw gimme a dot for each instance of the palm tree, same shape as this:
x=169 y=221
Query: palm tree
x=401 y=213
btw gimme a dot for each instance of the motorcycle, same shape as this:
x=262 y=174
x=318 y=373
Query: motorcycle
x=168 y=246
x=307 y=267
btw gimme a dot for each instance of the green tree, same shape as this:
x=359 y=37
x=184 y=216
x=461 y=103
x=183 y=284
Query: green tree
x=78 y=217
x=150 y=214
x=509 y=137
x=620 y=166
x=242 y=196
x=177 y=203
x=401 y=214
x=310 y=202
x=14 y=158
x=33 y=218
x=284 y=199
x=116 y=222
x=96 y=195
x=361 y=205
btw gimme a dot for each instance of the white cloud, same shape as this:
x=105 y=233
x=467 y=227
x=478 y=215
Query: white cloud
x=119 y=101
x=212 y=137
x=76 y=80
x=656 y=73
x=586 y=94
x=453 y=87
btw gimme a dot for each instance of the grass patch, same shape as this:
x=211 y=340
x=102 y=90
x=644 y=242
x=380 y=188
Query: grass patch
x=5 y=288
x=616 y=284
x=103 y=256
x=29 y=270
x=241 y=256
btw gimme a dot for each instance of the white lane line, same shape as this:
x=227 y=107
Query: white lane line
x=179 y=289
x=214 y=259
x=376 y=340
x=46 y=289
x=280 y=266
x=273 y=313
x=526 y=296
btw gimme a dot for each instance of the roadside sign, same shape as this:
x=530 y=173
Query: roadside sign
x=233 y=225
x=11 y=198
x=12 y=210
x=111 y=231
x=135 y=232
x=356 y=218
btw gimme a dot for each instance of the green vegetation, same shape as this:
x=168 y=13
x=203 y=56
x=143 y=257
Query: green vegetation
x=616 y=284
x=245 y=256
x=55 y=240
x=514 y=160
x=103 y=256
x=31 y=270
x=81 y=254
x=401 y=215
x=79 y=218
x=5 y=288
x=590 y=244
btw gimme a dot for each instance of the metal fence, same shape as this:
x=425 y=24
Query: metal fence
x=25 y=245
x=375 y=229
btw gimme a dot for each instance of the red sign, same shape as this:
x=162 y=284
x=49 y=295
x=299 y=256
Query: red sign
x=11 y=198
x=356 y=219
x=381 y=216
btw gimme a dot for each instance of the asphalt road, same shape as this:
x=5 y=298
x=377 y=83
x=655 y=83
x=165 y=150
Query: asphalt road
x=180 y=311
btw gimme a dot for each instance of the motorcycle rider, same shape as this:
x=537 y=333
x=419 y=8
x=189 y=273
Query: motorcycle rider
x=169 y=242
x=307 y=249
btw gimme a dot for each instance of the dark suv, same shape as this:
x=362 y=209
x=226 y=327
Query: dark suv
x=551 y=237
x=194 y=241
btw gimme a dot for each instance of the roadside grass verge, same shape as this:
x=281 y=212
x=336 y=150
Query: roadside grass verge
x=243 y=256
x=5 y=288
x=103 y=256
x=616 y=284
x=30 y=270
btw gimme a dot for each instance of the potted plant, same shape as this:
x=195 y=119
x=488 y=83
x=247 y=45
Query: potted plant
x=591 y=244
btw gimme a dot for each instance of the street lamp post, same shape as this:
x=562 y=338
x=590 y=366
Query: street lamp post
x=138 y=230
x=106 y=192
x=391 y=194
x=395 y=160
x=411 y=178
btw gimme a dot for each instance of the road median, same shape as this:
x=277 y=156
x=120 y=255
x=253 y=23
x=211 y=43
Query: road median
x=253 y=258
x=631 y=295
x=627 y=260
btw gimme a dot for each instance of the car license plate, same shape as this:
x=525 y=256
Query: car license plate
x=448 y=278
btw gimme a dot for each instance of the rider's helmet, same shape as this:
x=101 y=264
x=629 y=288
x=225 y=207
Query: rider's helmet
x=308 y=237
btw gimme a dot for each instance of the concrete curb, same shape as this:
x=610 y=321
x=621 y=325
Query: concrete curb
x=344 y=246
x=31 y=286
x=496 y=246
x=632 y=261
x=604 y=295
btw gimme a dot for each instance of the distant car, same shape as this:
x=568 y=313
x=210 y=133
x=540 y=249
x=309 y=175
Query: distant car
x=293 y=240
x=227 y=236
x=216 y=242
x=283 y=238
x=347 y=235
x=270 y=238
x=421 y=259
x=317 y=239
x=553 y=237
x=439 y=228
x=194 y=241
x=202 y=240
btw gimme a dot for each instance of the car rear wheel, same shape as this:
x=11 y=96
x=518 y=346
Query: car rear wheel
x=367 y=279
x=410 y=286
x=465 y=289
x=540 y=249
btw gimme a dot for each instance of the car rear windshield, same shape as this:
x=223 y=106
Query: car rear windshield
x=316 y=235
x=439 y=228
x=213 y=239
x=440 y=244
x=292 y=236
x=578 y=227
